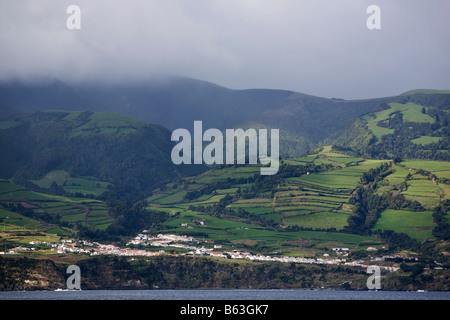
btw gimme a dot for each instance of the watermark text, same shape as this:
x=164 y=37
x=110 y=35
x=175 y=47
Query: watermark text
x=235 y=147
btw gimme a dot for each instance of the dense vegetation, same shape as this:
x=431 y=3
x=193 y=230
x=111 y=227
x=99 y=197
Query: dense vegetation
x=131 y=156
x=104 y=176
x=177 y=102
x=440 y=214
x=116 y=159
x=416 y=128
x=369 y=205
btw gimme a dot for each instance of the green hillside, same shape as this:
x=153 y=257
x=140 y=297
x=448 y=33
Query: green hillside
x=371 y=177
x=63 y=170
x=418 y=180
x=326 y=198
x=33 y=216
x=310 y=205
x=417 y=128
x=86 y=152
x=177 y=102
x=306 y=121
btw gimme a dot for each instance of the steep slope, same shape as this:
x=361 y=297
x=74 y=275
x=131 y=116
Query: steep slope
x=413 y=125
x=130 y=155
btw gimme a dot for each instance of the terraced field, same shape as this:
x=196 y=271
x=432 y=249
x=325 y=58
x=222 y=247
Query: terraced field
x=424 y=180
x=49 y=210
x=313 y=201
x=320 y=200
x=104 y=123
x=420 y=180
x=84 y=185
x=299 y=215
x=294 y=197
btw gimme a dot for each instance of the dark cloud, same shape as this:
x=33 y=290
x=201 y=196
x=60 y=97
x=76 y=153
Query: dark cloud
x=319 y=47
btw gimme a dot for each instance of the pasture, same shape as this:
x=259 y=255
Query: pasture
x=317 y=202
x=411 y=113
x=418 y=225
x=48 y=210
x=84 y=185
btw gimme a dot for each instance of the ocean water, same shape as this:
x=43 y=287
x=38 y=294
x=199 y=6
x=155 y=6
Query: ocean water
x=222 y=295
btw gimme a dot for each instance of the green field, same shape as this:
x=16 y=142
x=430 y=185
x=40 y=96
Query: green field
x=372 y=125
x=424 y=191
x=311 y=201
x=324 y=155
x=105 y=123
x=423 y=187
x=418 y=225
x=298 y=214
x=411 y=113
x=424 y=140
x=8 y=187
x=428 y=165
x=57 y=176
x=409 y=178
x=219 y=230
x=314 y=201
x=317 y=202
x=84 y=185
x=48 y=209
x=420 y=186
x=337 y=220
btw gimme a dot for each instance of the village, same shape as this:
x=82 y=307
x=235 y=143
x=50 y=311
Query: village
x=191 y=245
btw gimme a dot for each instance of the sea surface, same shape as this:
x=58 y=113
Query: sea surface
x=222 y=295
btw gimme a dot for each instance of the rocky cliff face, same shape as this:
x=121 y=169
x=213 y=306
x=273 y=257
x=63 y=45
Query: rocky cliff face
x=167 y=272
x=21 y=273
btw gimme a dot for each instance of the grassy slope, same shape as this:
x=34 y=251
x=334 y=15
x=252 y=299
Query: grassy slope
x=317 y=201
x=86 y=152
x=420 y=186
x=85 y=185
x=421 y=132
x=49 y=209
x=411 y=113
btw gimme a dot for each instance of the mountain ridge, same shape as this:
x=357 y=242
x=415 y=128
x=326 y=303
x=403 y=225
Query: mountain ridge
x=177 y=102
x=306 y=121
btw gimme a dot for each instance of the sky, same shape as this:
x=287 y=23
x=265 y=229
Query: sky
x=317 y=47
